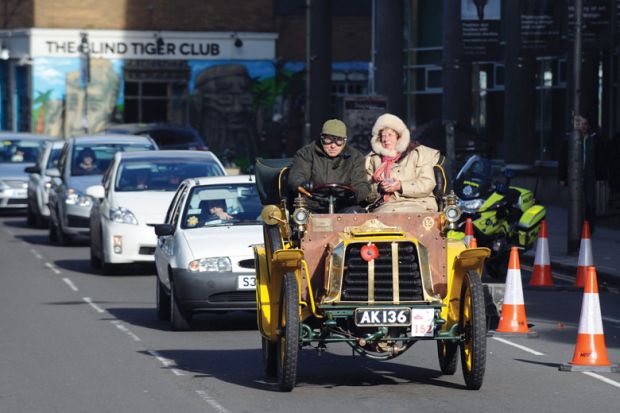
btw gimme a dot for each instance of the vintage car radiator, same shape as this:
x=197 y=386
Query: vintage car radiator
x=393 y=277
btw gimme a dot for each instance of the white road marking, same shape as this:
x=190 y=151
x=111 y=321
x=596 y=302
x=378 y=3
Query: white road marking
x=166 y=362
x=51 y=267
x=36 y=254
x=612 y=320
x=205 y=396
x=519 y=346
x=70 y=284
x=89 y=301
x=125 y=330
x=602 y=378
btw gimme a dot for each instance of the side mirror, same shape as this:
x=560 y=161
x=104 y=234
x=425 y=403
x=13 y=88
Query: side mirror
x=33 y=169
x=53 y=173
x=96 y=191
x=162 y=230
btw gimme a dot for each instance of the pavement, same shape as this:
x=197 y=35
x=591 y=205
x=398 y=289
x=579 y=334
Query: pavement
x=605 y=248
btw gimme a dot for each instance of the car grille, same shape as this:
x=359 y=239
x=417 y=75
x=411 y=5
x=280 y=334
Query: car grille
x=146 y=251
x=355 y=277
x=16 y=201
x=16 y=183
x=247 y=263
x=233 y=297
x=78 y=222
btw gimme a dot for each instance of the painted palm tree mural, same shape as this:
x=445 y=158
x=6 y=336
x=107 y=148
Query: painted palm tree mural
x=38 y=118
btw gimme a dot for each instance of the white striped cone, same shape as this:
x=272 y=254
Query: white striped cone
x=541 y=276
x=590 y=349
x=585 y=255
x=513 y=318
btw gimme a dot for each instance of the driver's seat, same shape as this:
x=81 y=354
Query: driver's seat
x=442 y=184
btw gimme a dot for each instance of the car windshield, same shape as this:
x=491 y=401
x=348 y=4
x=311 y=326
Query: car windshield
x=225 y=204
x=161 y=174
x=167 y=138
x=20 y=150
x=94 y=159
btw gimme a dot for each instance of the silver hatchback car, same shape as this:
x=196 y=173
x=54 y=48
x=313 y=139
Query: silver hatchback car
x=82 y=163
x=17 y=151
x=39 y=183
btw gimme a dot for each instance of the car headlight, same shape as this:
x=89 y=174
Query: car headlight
x=300 y=216
x=75 y=198
x=471 y=205
x=212 y=264
x=122 y=216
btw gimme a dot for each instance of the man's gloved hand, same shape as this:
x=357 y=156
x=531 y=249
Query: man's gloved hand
x=308 y=185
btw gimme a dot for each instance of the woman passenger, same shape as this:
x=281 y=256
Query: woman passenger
x=400 y=172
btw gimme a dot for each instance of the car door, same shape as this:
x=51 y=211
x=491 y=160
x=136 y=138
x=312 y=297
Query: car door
x=165 y=244
x=57 y=184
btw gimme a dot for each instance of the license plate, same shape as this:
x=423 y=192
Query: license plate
x=246 y=282
x=370 y=317
x=20 y=193
x=422 y=322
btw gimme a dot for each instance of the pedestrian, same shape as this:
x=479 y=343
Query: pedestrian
x=329 y=160
x=400 y=171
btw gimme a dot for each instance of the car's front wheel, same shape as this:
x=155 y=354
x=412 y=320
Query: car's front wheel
x=179 y=318
x=472 y=324
x=163 y=302
x=288 y=342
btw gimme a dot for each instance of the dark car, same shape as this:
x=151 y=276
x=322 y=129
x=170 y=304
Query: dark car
x=166 y=136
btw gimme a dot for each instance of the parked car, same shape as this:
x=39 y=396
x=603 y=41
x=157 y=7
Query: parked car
x=82 y=162
x=17 y=151
x=203 y=256
x=136 y=190
x=166 y=136
x=39 y=183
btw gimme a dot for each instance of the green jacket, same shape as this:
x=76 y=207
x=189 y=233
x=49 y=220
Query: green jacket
x=312 y=164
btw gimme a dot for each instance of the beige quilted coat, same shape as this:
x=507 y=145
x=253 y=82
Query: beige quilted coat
x=414 y=169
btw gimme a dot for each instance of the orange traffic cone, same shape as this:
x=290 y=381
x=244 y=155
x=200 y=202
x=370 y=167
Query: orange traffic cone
x=469 y=232
x=590 y=351
x=541 y=276
x=513 y=320
x=585 y=255
x=473 y=243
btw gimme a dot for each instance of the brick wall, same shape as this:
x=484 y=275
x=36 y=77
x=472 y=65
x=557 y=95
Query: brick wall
x=16 y=14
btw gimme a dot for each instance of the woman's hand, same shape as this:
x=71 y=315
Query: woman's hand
x=390 y=185
x=220 y=213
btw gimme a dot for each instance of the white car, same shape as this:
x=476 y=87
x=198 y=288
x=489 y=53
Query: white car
x=39 y=184
x=204 y=257
x=137 y=190
x=17 y=151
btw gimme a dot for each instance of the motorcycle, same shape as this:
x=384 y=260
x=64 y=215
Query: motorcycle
x=503 y=215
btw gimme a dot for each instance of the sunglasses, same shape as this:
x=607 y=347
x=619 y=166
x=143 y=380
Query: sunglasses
x=328 y=140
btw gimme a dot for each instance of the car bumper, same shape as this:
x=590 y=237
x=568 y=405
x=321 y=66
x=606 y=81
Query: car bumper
x=135 y=243
x=13 y=199
x=212 y=291
x=77 y=220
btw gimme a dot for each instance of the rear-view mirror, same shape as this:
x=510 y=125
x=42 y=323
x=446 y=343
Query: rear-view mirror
x=33 y=169
x=162 y=230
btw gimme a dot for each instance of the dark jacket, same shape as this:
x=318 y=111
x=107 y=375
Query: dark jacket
x=311 y=163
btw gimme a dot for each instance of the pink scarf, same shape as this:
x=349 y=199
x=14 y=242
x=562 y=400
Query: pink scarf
x=384 y=171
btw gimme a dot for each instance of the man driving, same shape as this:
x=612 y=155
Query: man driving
x=329 y=160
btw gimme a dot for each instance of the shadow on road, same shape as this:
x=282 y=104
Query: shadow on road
x=244 y=368
x=147 y=317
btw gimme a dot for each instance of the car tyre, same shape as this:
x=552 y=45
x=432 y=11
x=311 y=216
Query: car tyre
x=31 y=218
x=270 y=357
x=95 y=261
x=163 y=302
x=62 y=238
x=179 y=318
x=52 y=232
x=448 y=356
x=288 y=342
x=472 y=324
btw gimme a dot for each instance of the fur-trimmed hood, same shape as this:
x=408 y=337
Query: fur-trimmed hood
x=388 y=120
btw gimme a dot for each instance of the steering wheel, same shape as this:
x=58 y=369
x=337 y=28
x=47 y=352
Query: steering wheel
x=333 y=192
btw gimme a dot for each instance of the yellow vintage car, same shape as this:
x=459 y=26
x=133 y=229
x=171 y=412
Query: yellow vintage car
x=376 y=282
